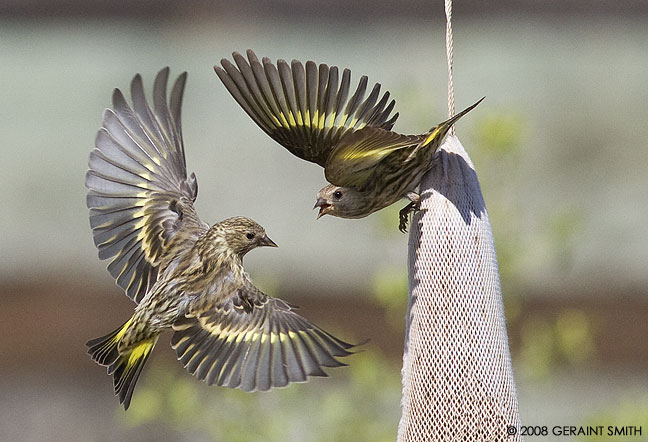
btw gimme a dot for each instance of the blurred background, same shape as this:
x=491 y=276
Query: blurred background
x=559 y=146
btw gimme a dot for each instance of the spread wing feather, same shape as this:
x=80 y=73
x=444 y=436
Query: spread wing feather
x=255 y=346
x=304 y=108
x=138 y=194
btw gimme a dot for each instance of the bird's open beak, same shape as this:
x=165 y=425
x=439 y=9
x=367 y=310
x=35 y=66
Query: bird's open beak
x=323 y=206
x=267 y=242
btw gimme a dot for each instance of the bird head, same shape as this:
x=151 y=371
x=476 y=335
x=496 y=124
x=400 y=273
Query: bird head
x=243 y=234
x=344 y=202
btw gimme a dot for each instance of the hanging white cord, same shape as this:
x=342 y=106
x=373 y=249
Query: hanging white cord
x=451 y=106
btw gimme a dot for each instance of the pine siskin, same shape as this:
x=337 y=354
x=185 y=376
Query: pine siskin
x=182 y=273
x=369 y=166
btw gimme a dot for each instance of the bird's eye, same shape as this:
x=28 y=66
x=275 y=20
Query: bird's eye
x=250 y=235
x=337 y=194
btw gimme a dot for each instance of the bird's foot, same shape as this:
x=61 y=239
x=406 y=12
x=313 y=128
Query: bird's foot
x=403 y=215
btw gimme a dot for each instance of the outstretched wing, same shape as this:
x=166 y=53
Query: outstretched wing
x=254 y=342
x=139 y=195
x=306 y=110
x=356 y=157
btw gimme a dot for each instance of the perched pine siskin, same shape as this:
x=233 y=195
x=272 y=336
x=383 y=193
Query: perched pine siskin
x=309 y=113
x=182 y=273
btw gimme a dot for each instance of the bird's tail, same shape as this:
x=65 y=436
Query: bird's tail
x=441 y=129
x=125 y=366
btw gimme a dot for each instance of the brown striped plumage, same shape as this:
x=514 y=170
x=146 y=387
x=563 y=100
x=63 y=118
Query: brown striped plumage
x=182 y=273
x=306 y=110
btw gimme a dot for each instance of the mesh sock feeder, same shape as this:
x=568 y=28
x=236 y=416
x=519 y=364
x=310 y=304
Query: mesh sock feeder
x=457 y=376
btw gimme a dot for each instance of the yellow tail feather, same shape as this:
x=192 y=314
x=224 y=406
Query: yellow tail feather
x=125 y=367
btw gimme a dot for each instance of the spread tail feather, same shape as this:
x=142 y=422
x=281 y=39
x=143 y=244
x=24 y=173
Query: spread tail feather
x=125 y=367
x=103 y=350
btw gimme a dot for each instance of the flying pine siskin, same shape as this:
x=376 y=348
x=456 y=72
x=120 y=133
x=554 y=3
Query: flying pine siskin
x=182 y=273
x=307 y=111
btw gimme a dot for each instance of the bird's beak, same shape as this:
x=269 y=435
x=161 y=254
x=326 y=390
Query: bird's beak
x=267 y=242
x=323 y=206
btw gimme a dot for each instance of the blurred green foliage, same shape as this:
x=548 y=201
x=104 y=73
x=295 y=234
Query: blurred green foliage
x=500 y=135
x=574 y=336
x=389 y=289
x=360 y=402
x=567 y=339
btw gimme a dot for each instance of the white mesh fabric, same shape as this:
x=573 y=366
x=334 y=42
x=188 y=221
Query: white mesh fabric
x=457 y=376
